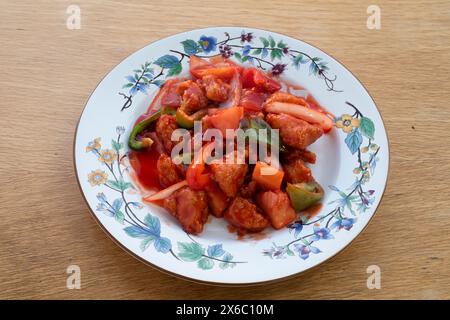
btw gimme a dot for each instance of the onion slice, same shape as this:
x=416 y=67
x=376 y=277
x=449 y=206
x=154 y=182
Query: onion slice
x=165 y=193
x=301 y=112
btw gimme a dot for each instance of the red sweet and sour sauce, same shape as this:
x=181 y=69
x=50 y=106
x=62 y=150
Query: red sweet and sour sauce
x=144 y=165
x=312 y=211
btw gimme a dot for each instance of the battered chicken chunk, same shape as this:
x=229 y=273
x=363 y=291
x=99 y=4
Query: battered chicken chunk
x=243 y=214
x=248 y=190
x=170 y=204
x=216 y=90
x=218 y=201
x=165 y=126
x=192 y=96
x=292 y=154
x=277 y=206
x=296 y=171
x=189 y=207
x=168 y=172
x=229 y=176
x=294 y=132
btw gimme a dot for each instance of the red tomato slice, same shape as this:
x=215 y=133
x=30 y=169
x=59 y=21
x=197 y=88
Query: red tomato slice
x=227 y=119
x=252 y=100
x=220 y=61
x=225 y=73
x=196 y=63
x=223 y=69
x=254 y=78
x=247 y=78
x=217 y=66
x=217 y=59
x=197 y=177
x=265 y=82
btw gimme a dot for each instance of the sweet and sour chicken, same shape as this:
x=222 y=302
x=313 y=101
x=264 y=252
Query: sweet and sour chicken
x=224 y=95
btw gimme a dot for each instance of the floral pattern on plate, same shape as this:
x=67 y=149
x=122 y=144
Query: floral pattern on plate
x=265 y=53
x=147 y=230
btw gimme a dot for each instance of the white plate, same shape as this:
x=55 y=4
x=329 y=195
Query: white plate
x=352 y=161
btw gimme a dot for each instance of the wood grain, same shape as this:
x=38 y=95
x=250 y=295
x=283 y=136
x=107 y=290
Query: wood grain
x=49 y=71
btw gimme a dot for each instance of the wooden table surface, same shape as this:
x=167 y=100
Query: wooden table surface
x=48 y=72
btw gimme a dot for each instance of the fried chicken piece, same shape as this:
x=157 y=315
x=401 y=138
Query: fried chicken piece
x=170 y=204
x=292 y=154
x=190 y=208
x=277 y=206
x=165 y=126
x=294 y=132
x=192 y=96
x=229 y=176
x=168 y=172
x=216 y=90
x=218 y=201
x=248 y=190
x=243 y=214
x=296 y=172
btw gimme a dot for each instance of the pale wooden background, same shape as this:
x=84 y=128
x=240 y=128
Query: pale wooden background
x=48 y=72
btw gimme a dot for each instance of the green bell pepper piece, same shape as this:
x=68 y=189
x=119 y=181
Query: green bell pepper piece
x=187 y=121
x=136 y=143
x=304 y=195
x=168 y=110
